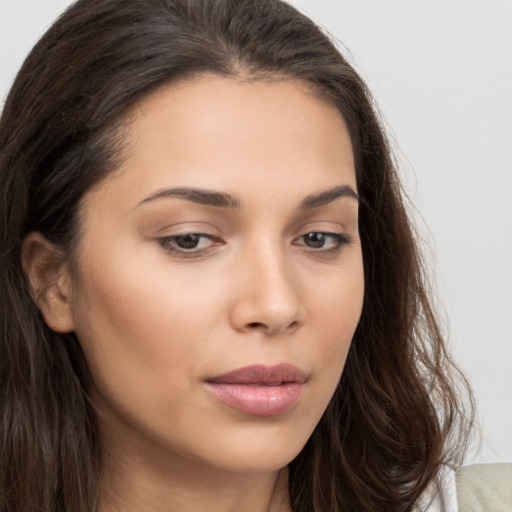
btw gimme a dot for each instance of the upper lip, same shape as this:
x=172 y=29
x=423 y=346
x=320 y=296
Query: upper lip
x=262 y=374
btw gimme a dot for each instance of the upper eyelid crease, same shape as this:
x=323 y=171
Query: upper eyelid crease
x=167 y=240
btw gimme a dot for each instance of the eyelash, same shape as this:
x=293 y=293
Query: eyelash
x=340 y=240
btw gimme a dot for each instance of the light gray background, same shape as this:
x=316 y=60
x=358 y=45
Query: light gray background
x=441 y=71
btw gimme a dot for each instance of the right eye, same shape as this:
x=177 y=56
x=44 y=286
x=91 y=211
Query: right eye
x=188 y=244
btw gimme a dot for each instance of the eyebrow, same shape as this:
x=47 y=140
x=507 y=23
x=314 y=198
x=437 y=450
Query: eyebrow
x=328 y=196
x=224 y=200
x=199 y=196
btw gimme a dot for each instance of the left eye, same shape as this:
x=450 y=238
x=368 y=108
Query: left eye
x=188 y=241
x=321 y=240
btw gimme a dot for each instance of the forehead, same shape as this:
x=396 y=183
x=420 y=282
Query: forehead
x=219 y=133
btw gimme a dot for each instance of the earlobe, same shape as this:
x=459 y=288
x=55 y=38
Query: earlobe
x=47 y=272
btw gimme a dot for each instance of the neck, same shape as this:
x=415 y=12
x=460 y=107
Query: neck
x=136 y=488
x=155 y=480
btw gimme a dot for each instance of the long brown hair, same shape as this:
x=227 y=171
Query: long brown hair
x=395 y=418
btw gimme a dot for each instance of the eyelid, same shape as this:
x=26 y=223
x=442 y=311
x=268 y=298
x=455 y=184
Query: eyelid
x=187 y=227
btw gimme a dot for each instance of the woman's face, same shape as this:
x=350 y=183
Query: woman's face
x=219 y=278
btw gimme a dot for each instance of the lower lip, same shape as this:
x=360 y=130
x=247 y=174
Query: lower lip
x=258 y=399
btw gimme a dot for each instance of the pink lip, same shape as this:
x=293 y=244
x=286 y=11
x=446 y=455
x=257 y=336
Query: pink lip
x=260 y=390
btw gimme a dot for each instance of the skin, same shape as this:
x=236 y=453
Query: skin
x=155 y=321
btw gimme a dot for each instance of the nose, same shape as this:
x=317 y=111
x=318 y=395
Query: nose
x=267 y=296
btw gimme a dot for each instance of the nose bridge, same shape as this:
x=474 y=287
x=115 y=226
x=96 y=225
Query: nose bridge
x=267 y=297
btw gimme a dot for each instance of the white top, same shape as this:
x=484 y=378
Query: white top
x=442 y=499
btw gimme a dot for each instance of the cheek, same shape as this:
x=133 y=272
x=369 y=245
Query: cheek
x=333 y=313
x=141 y=338
x=126 y=320
x=336 y=306
x=143 y=324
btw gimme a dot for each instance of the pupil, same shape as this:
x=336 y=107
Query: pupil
x=315 y=240
x=189 y=241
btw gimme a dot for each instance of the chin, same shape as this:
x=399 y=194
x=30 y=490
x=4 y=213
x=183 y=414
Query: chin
x=263 y=448
x=263 y=460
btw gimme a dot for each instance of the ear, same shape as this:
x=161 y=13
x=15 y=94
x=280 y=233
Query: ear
x=47 y=271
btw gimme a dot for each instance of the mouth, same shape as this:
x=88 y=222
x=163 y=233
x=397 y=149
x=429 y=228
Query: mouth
x=260 y=390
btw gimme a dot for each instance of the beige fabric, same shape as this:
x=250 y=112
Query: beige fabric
x=485 y=488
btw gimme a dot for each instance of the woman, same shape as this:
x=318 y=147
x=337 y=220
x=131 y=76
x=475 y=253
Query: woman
x=214 y=299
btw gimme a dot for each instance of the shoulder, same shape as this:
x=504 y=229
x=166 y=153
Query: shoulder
x=484 y=487
x=476 y=488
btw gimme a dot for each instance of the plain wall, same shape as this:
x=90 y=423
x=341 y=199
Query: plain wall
x=441 y=71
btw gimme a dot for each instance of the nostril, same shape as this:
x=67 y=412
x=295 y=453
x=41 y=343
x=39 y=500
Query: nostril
x=264 y=326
